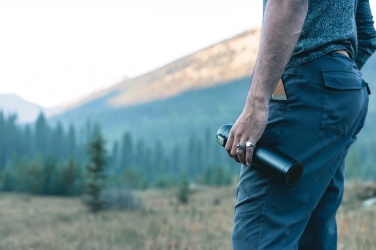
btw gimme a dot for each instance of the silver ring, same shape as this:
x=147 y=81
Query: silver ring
x=240 y=146
x=249 y=144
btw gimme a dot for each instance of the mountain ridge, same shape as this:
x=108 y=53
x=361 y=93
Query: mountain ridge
x=229 y=59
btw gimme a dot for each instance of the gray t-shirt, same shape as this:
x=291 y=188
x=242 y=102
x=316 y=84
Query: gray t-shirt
x=335 y=25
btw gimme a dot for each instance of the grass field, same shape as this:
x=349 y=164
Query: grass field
x=30 y=222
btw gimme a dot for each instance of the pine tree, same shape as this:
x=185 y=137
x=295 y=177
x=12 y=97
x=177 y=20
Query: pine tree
x=69 y=177
x=97 y=154
x=183 y=193
x=115 y=162
x=36 y=176
x=41 y=134
x=71 y=142
x=126 y=151
x=57 y=145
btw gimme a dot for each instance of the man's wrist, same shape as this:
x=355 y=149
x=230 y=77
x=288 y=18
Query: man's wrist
x=258 y=98
x=260 y=102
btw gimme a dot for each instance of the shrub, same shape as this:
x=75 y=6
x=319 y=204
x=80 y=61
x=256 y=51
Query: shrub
x=120 y=199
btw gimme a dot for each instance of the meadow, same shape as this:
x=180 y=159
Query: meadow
x=41 y=223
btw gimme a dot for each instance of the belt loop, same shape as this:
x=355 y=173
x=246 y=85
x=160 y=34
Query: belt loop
x=367 y=86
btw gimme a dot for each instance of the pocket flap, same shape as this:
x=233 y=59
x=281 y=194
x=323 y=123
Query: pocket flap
x=342 y=80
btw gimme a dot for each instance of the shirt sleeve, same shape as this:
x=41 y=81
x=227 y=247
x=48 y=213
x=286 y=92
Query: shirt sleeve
x=366 y=33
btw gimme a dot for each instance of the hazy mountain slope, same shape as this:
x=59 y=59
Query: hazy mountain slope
x=13 y=104
x=172 y=120
x=231 y=59
x=220 y=63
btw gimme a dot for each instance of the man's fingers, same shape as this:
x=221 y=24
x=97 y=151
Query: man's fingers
x=229 y=145
x=241 y=155
x=236 y=158
x=248 y=156
x=235 y=154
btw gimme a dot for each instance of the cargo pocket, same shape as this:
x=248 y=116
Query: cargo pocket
x=342 y=100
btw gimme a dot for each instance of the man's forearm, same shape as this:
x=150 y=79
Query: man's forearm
x=282 y=25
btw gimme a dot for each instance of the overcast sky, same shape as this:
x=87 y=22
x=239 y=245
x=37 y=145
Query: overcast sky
x=54 y=51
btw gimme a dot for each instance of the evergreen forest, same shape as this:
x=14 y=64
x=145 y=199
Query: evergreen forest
x=45 y=159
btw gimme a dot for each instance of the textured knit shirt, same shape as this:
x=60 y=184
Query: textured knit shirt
x=335 y=25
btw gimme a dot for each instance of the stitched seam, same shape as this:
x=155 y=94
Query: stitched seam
x=262 y=215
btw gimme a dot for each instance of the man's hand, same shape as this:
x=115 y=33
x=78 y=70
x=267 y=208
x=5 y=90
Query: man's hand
x=248 y=127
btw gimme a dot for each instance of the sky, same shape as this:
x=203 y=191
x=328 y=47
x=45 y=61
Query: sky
x=55 y=51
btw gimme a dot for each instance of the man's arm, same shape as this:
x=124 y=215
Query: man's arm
x=366 y=33
x=282 y=25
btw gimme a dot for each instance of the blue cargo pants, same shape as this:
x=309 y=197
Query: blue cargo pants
x=326 y=108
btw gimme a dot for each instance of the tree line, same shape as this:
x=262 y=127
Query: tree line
x=46 y=159
x=41 y=158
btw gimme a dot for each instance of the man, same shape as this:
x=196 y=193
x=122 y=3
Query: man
x=316 y=48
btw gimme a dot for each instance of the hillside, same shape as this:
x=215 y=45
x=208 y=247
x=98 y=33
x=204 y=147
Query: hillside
x=220 y=63
x=159 y=102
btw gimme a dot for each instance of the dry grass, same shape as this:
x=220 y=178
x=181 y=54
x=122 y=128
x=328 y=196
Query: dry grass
x=356 y=223
x=205 y=223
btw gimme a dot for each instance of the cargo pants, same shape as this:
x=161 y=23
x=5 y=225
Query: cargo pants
x=325 y=109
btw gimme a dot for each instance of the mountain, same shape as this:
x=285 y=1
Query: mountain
x=13 y=104
x=188 y=97
x=157 y=103
x=230 y=59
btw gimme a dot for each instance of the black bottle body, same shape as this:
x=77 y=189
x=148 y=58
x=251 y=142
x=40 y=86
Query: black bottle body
x=269 y=160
